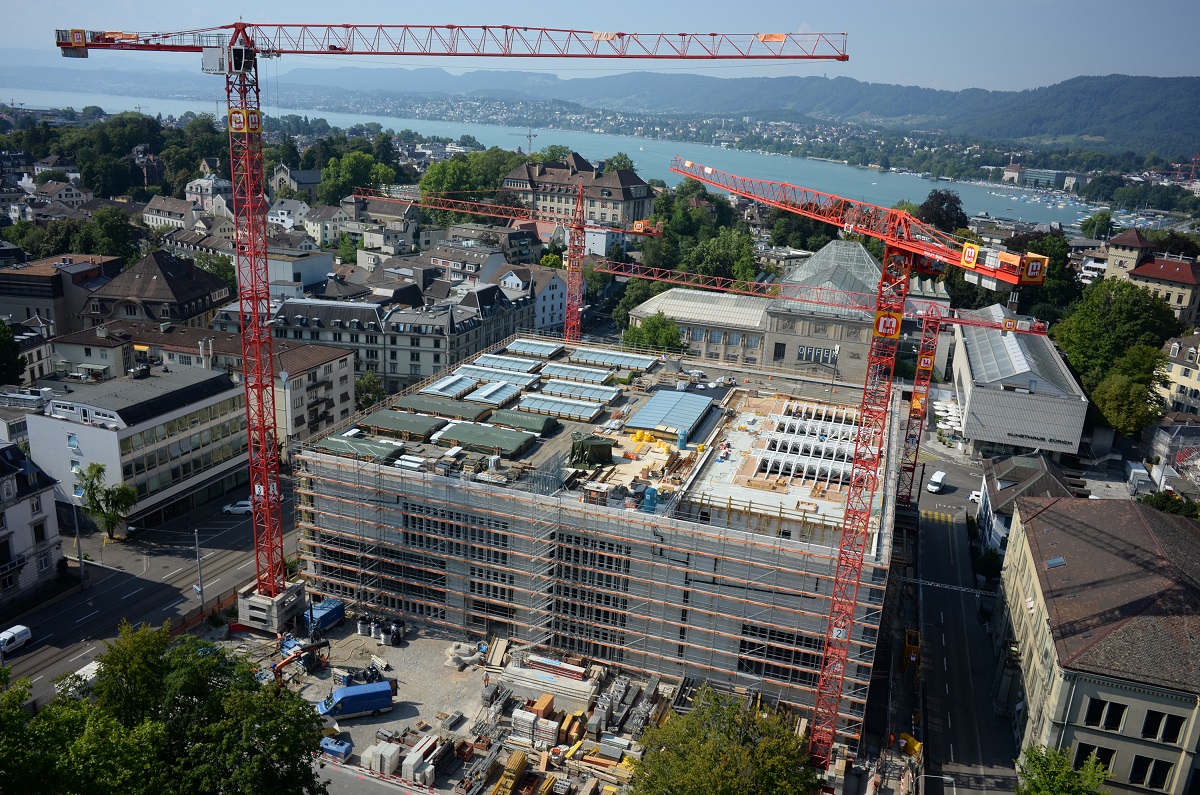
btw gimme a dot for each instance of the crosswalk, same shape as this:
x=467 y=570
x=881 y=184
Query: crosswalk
x=936 y=517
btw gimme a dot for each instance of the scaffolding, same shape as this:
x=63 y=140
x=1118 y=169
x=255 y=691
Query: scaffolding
x=729 y=592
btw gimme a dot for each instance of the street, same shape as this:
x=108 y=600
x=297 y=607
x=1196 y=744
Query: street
x=963 y=739
x=147 y=580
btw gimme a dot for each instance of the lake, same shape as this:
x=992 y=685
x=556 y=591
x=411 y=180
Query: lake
x=651 y=156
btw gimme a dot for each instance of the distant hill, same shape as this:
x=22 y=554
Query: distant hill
x=1111 y=113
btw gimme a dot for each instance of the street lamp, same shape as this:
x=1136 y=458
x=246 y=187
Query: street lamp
x=199 y=571
x=78 y=492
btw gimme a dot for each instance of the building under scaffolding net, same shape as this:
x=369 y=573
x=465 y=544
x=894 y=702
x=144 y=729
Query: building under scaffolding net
x=713 y=560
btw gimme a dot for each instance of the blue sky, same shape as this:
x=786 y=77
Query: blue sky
x=1003 y=45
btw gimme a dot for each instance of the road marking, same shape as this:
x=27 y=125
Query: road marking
x=951 y=752
x=943 y=638
x=205 y=555
x=941 y=617
x=947 y=688
x=89 y=615
x=214 y=582
x=244 y=565
x=172 y=574
x=168 y=607
x=948 y=724
x=131 y=593
x=31 y=681
x=83 y=654
x=944 y=668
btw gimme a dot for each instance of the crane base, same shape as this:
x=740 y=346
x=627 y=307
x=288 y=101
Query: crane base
x=270 y=614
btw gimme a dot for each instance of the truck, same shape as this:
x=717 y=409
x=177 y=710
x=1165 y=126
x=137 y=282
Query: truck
x=357 y=700
x=323 y=615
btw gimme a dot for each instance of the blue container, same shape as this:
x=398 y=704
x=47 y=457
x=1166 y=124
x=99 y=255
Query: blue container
x=650 y=500
x=338 y=749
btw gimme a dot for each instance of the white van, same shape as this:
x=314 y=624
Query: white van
x=937 y=481
x=14 y=638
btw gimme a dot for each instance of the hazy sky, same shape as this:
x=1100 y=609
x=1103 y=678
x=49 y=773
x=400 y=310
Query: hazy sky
x=1003 y=45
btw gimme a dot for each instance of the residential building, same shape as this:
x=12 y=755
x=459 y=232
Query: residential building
x=508 y=542
x=382 y=211
x=160 y=287
x=324 y=224
x=1005 y=478
x=1182 y=392
x=215 y=226
x=1016 y=392
x=519 y=246
x=1097 y=642
x=461 y=260
x=611 y=197
x=30 y=547
x=203 y=191
x=34 y=338
x=287 y=213
x=303 y=181
x=1125 y=252
x=177 y=436
x=63 y=192
x=55 y=289
x=56 y=163
x=1174 y=279
x=547 y=286
x=164 y=211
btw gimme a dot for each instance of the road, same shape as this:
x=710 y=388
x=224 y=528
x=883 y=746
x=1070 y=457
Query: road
x=963 y=739
x=147 y=580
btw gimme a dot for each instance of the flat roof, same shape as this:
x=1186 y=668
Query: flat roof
x=581 y=410
x=524 y=421
x=514 y=363
x=671 y=411
x=441 y=407
x=611 y=358
x=590 y=392
x=495 y=394
x=452 y=386
x=538 y=348
x=363 y=449
x=570 y=372
x=485 y=438
x=136 y=400
x=402 y=422
x=490 y=375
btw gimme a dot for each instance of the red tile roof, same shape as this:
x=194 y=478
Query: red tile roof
x=1168 y=270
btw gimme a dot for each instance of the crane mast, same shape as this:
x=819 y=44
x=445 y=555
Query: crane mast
x=234 y=50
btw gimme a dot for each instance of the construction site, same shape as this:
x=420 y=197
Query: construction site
x=593 y=506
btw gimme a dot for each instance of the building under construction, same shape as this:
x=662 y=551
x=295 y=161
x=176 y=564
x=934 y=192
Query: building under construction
x=607 y=509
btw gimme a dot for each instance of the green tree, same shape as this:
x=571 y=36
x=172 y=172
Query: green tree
x=1099 y=226
x=347 y=250
x=637 y=292
x=1110 y=318
x=552 y=260
x=554 y=153
x=656 y=331
x=50 y=175
x=355 y=170
x=1170 y=502
x=368 y=390
x=619 y=162
x=92 y=112
x=1045 y=771
x=221 y=266
x=1128 y=396
x=12 y=363
x=730 y=254
x=108 y=506
x=718 y=748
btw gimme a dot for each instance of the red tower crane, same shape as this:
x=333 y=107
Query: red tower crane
x=233 y=51
x=909 y=245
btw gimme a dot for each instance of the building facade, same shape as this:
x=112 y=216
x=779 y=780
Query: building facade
x=610 y=197
x=159 y=288
x=1182 y=392
x=30 y=547
x=1097 y=594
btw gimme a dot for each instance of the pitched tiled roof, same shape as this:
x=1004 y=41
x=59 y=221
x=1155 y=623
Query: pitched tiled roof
x=168 y=206
x=1168 y=270
x=1010 y=477
x=161 y=276
x=1130 y=238
x=1126 y=602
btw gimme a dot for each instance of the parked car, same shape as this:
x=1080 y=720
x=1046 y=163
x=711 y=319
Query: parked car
x=242 y=507
x=976 y=496
x=14 y=638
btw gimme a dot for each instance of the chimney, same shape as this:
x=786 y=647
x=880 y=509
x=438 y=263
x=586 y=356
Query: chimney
x=101 y=332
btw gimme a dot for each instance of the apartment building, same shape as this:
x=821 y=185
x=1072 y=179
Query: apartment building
x=1096 y=639
x=55 y=289
x=160 y=287
x=30 y=547
x=1182 y=392
x=610 y=197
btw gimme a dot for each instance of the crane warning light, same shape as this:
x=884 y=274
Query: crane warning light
x=887 y=324
x=970 y=255
x=1035 y=269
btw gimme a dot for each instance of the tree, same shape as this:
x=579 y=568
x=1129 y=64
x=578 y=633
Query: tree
x=551 y=260
x=721 y=749
x=221 y=266
x=347 y=250
x=1045 y=771
x=355 y=170
x=554 y=153
x=1170 y=502
x=108 y=506
x=12 y=363
x=1099 y=226
x=51 y=175
x=1128 y=396
x=368 y=390
x=619 y=162
x=92 y=112
x=637 y=292
x=167 y=716
x=656 y=331
x=1110 y=318
x=943 y=209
